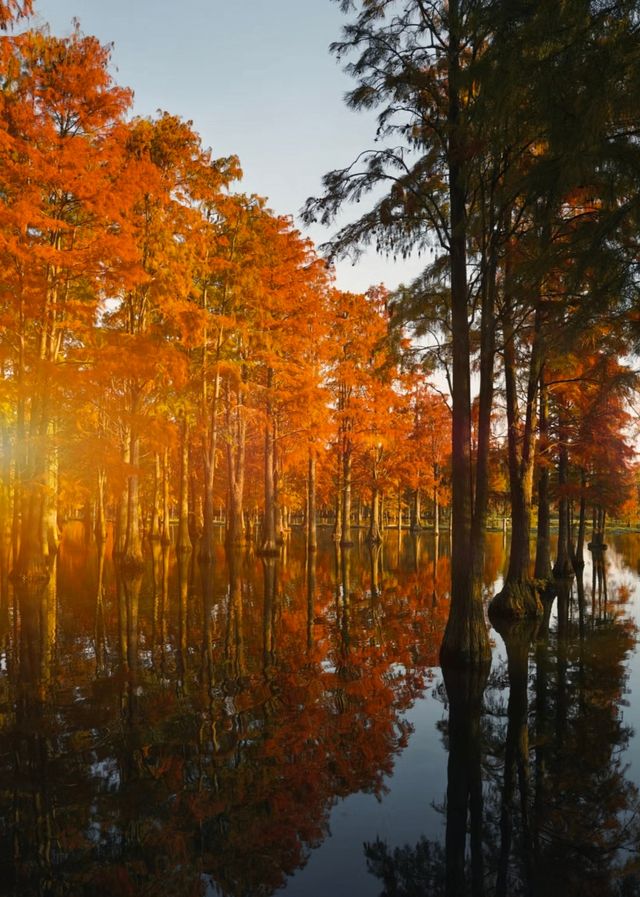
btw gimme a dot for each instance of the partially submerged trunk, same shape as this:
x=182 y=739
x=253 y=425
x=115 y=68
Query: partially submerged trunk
x=542 y=569
x=312 y=536
x=374 y=536
x=577 y=552
x=519 y=596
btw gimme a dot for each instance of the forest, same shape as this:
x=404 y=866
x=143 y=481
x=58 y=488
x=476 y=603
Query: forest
x=219 y=471
x=177 y=356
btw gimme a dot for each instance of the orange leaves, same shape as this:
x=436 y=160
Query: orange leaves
x=10 y=10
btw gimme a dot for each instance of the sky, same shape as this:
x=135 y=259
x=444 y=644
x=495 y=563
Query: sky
x=257 y=80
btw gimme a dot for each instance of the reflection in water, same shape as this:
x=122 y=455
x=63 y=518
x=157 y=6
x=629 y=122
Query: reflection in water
x=194 y=727
x=561 y=816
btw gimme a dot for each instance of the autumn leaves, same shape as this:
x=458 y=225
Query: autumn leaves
x=171 y=347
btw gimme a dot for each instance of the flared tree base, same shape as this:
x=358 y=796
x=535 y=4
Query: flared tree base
x=516 y=601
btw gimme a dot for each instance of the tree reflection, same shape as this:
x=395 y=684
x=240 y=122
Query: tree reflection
x=199 y=724
x=561 y=816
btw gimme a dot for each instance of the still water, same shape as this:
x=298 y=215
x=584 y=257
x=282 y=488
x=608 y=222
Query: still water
x=268 y=725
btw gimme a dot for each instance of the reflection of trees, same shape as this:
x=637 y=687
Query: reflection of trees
x=561 y=817
x=295 y=682
x=229 y=714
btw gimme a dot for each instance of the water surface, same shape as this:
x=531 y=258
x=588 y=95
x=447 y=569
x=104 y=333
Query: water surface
x=283 y=724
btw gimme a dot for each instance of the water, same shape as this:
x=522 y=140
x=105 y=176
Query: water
x=273 y=725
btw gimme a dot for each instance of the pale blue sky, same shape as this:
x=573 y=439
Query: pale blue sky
x=256 y=78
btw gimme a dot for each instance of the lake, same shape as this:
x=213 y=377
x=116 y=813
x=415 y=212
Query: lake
x=282 y=724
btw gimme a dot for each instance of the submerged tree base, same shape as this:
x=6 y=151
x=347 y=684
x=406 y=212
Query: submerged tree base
x=516 y=601
x=131 y=564
x=466 y=640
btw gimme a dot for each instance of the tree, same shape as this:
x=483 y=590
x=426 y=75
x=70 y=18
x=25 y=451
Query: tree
x=59 y=111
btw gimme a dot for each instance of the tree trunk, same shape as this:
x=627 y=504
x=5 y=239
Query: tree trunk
x=154 y=523
x=577 y=560
x=543 y=537
x=5 y=517
x=374 y=536
x=50 y=529
x=345 y=539
x=487 y=358
x=278 y=510
x=165 y=536
x=562 y=567
x=337 y=528
x=465 y=641
x=269 y=544
x=519 y=597
x=416 y=512
x=210 y=443
x=133 y=540
x=312 y=537
x=236 y=455
x=183 y=540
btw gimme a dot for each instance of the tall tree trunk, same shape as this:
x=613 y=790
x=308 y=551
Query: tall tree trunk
x=465 y=642
x=278 y=509
x=269 y=535
x=183 y=540
x=50 y=528
x=416 y=512
x=337 y=527
x=542 y=569
x=154 y=523
x=5 y=516
x=562 y=566
x=312 y=537
x=133 y=539
x=345 y=539
x=578 y=555
x=195 y=505
x=31 y=563
x=487 y=359
x=236 y=457
x=519 y=597
x=165 y=536
x=209 y=449
x=374 y=536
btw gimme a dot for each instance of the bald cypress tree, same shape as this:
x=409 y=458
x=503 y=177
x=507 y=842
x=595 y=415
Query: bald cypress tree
x=487 y=121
